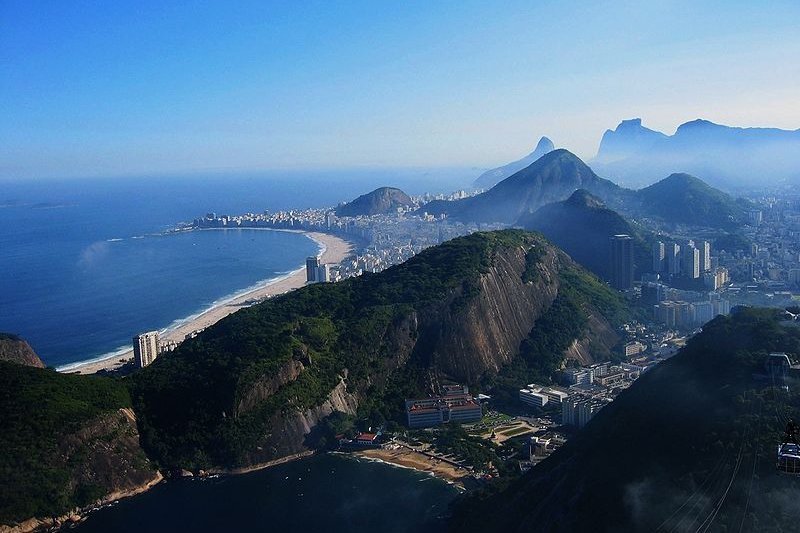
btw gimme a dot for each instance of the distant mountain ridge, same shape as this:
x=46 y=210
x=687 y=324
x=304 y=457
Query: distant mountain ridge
x=490 y=178
x=725 y=156
x=381 y=201
x=551 y=178
x=681 y=198
x=554 y=177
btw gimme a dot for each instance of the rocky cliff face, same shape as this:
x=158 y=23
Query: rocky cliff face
x=106 y=459
x=465 y=344
x=254 y=387
x=289 y=430
x=460 y=338
x=16 y=350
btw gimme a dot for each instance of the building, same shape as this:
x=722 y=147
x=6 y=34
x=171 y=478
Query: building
x=659 y=257
x=312 y=269
x=674 y=258
x=653 y=293
x=145 y=348
x=323 y=273
x=437 y=410
x=705 y=256
x=578 y=376
x=622 y=262
x=691 y=262
x=578 y=409
x=631 y=349
x=538 y=396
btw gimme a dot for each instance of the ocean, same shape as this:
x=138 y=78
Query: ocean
x=321 y=493
x=85 y=264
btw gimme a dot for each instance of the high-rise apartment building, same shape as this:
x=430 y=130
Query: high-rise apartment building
x=621 y=262
x=673 y=258
x=659 y=257
x=691 y=262
x=145 y=348
x=312 y=269
x=705 y=256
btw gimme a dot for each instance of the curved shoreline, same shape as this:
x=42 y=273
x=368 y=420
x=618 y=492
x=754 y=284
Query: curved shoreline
x=332 y=250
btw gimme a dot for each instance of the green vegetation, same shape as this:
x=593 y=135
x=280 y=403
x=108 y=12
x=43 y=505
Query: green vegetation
x=187 y=403
x=582 y=226
x=731 y=242
x=693 y=418
x=39 y=410
x=195 y=408
x=684 y=199
x=541 y=354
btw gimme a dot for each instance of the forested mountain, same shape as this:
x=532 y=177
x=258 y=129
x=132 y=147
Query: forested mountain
x=66 y=441
x=582 y=226
x=690 y=446
x=378 y=202
x=552 y=178
x=253 y=387
x=685 y=199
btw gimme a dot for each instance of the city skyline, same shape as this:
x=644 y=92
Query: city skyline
x=127 y=89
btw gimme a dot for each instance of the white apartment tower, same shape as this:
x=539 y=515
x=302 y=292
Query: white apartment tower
x=145 y=348
x=705 y=256
x=659 y=257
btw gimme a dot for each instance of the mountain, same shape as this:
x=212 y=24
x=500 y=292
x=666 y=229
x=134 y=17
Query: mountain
x=690 y=446
x=67 y=442
x=16 y=350
x=724 y=156
x=490 y=178
x=551 y=178
x=684 y=199
x=582 y=225
x=378 y=202
x=629 y=138
x=262 y=383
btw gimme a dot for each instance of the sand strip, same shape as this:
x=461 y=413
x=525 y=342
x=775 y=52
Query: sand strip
x=334 y=251
x=418 y=461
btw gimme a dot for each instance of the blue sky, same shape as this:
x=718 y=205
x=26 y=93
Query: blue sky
x=115 y=88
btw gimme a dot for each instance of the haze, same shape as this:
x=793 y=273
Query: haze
x=105 y=89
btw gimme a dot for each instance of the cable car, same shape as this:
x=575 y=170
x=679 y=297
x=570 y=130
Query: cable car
x=789 y=451
x=789 y=458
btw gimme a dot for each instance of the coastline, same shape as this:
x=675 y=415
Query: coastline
x=406 y=458
x=333 y=250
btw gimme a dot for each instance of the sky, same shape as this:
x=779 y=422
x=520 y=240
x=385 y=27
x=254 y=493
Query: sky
x=150 y=87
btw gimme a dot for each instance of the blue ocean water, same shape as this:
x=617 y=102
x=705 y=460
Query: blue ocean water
x=85 y=263
x=322 y=493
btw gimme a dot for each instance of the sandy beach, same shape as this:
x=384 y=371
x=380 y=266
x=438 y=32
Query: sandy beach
x=334 y=251
x=410 y=459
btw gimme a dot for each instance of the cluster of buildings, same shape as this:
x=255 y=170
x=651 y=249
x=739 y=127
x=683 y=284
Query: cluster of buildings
x=317 y=272
x=147 y=347
x=773 y=258
x=454 y=404
x=588 y=389
x=688 y=259
x=385 y=240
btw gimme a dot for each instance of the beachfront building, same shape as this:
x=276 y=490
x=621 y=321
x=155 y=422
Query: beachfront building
x=312 y=269
x=145 y=348
x=459 y=407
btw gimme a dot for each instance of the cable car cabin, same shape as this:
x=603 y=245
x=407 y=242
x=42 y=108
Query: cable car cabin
x=789 y=458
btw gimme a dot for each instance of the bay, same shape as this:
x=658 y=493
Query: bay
x=321 y=493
